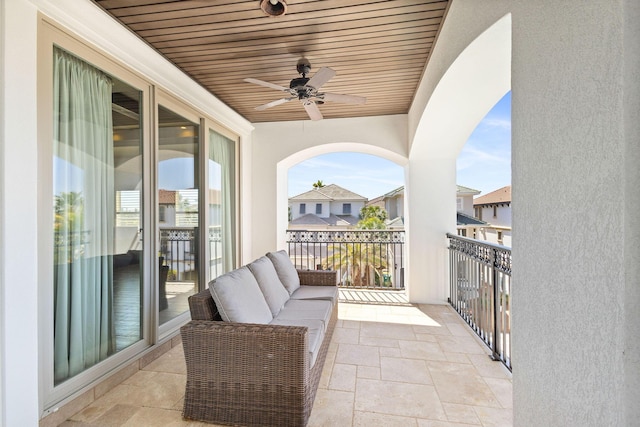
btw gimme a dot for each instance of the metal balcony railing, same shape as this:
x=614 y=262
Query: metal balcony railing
x=480 y=282
x=372 y=259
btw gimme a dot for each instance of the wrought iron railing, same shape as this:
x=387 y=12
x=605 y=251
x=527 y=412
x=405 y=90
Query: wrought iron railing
x=178 y=249
x=480 y=280
x=363 y=258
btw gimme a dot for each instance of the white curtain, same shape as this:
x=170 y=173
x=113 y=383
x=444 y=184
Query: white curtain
x=84 y=216
x=222 y=152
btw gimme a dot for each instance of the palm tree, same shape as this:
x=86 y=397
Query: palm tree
x=362 y=263
x=318 y=184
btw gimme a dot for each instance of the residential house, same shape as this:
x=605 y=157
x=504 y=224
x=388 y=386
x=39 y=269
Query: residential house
x=329 y=206
x=572 y=68
x=394 y=205
x=495 y=209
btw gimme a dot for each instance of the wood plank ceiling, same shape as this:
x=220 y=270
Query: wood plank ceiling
x=378 y=49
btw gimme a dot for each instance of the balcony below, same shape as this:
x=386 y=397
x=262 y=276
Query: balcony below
x=390 y=363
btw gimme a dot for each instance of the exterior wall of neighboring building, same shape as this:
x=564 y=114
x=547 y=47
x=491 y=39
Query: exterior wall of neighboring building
x=338 y=207
x=464 y=204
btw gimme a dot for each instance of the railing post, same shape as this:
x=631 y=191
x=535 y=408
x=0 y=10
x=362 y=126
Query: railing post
x=496 y=306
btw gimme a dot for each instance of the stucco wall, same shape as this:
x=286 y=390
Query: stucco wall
x=575 y=124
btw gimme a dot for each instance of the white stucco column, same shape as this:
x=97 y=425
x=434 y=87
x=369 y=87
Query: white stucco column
x=431 y=208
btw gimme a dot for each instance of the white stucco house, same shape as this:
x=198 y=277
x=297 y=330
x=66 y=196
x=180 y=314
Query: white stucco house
x=330 y=206
x=495 y=209
x=572 y=68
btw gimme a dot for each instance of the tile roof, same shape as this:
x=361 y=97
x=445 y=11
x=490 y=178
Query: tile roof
x=466 y=190
x=501 y=195
x=312 y=219
x=328 y=192
x=464 y=219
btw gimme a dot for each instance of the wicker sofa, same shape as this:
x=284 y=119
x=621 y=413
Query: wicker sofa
x=256 y=359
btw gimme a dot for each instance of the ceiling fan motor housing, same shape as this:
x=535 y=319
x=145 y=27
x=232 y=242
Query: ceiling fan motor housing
x=298 y=87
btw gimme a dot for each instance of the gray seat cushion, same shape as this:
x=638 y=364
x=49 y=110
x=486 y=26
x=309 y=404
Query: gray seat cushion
x=328 y=293
x=306 y=310
x=285 y=269
x=316 y=334
x=274 y=292
x=239 y=298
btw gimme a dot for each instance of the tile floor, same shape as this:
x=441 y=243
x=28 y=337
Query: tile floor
x=388 y=365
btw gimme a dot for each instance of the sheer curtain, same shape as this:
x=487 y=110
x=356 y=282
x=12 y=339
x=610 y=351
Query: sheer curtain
x=222 y=151
x=84 y=216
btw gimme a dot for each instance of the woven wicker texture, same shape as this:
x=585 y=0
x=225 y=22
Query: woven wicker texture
x=252 y=375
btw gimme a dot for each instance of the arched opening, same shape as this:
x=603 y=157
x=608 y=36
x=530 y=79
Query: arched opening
x=478 y=77
x=284 y=166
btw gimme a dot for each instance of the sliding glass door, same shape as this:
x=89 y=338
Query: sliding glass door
x=97 y=177
x=178 y=212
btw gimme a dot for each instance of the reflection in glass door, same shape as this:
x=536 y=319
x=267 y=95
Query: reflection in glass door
x=178 y=218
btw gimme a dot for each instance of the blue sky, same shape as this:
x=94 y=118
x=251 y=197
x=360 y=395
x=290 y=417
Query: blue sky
x=484 y=163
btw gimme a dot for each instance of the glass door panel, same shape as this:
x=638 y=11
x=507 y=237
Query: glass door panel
x=222 y=203
x=178 y=216
x=97 y=178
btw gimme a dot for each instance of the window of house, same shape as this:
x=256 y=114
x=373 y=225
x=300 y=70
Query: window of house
x=495 y=211
x=303 y=208
x=162 y=213
x=479 y=213
x=318 y=208
x=460 y=203
x=346 y=208
x=500 y=237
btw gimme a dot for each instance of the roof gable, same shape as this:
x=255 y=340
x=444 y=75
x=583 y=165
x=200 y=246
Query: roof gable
x=329 y=192
x=501 y=195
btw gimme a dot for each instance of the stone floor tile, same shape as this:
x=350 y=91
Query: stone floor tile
x=457 y=329
x=421 y=350
x=370 y=372
x=488 y=367
x=171 y=361
x=495 y=417
x=394 y=398
x=457 y=413
x=390 y=352
x=503 y=389
x=346 y=336
x=463 y=389
x=461 y=344
x=431 y=423
x=343 y=377
x=387 y=330
x=153 y=417
x=404 y=370
x=378 y=342
x=369 y=419
x=332 y=408
x=351 y=354
x=116 y=416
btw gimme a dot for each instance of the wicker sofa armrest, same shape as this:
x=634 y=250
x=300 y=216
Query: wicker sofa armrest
x=318 y=277
x=239 y=373
x=202 y=306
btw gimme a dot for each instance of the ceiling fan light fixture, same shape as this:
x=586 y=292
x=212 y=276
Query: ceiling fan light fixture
x=273 y=7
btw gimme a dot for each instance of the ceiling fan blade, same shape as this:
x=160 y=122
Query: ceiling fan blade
x=345 y=99
x=273 y=103
x=312 y=110
x=322 y=76
x=266 y=84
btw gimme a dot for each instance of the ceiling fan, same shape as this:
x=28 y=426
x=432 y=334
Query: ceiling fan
x=307 y=90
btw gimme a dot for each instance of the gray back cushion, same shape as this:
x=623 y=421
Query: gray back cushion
x=272 y=288
x=239 y=299
x=285 y=269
